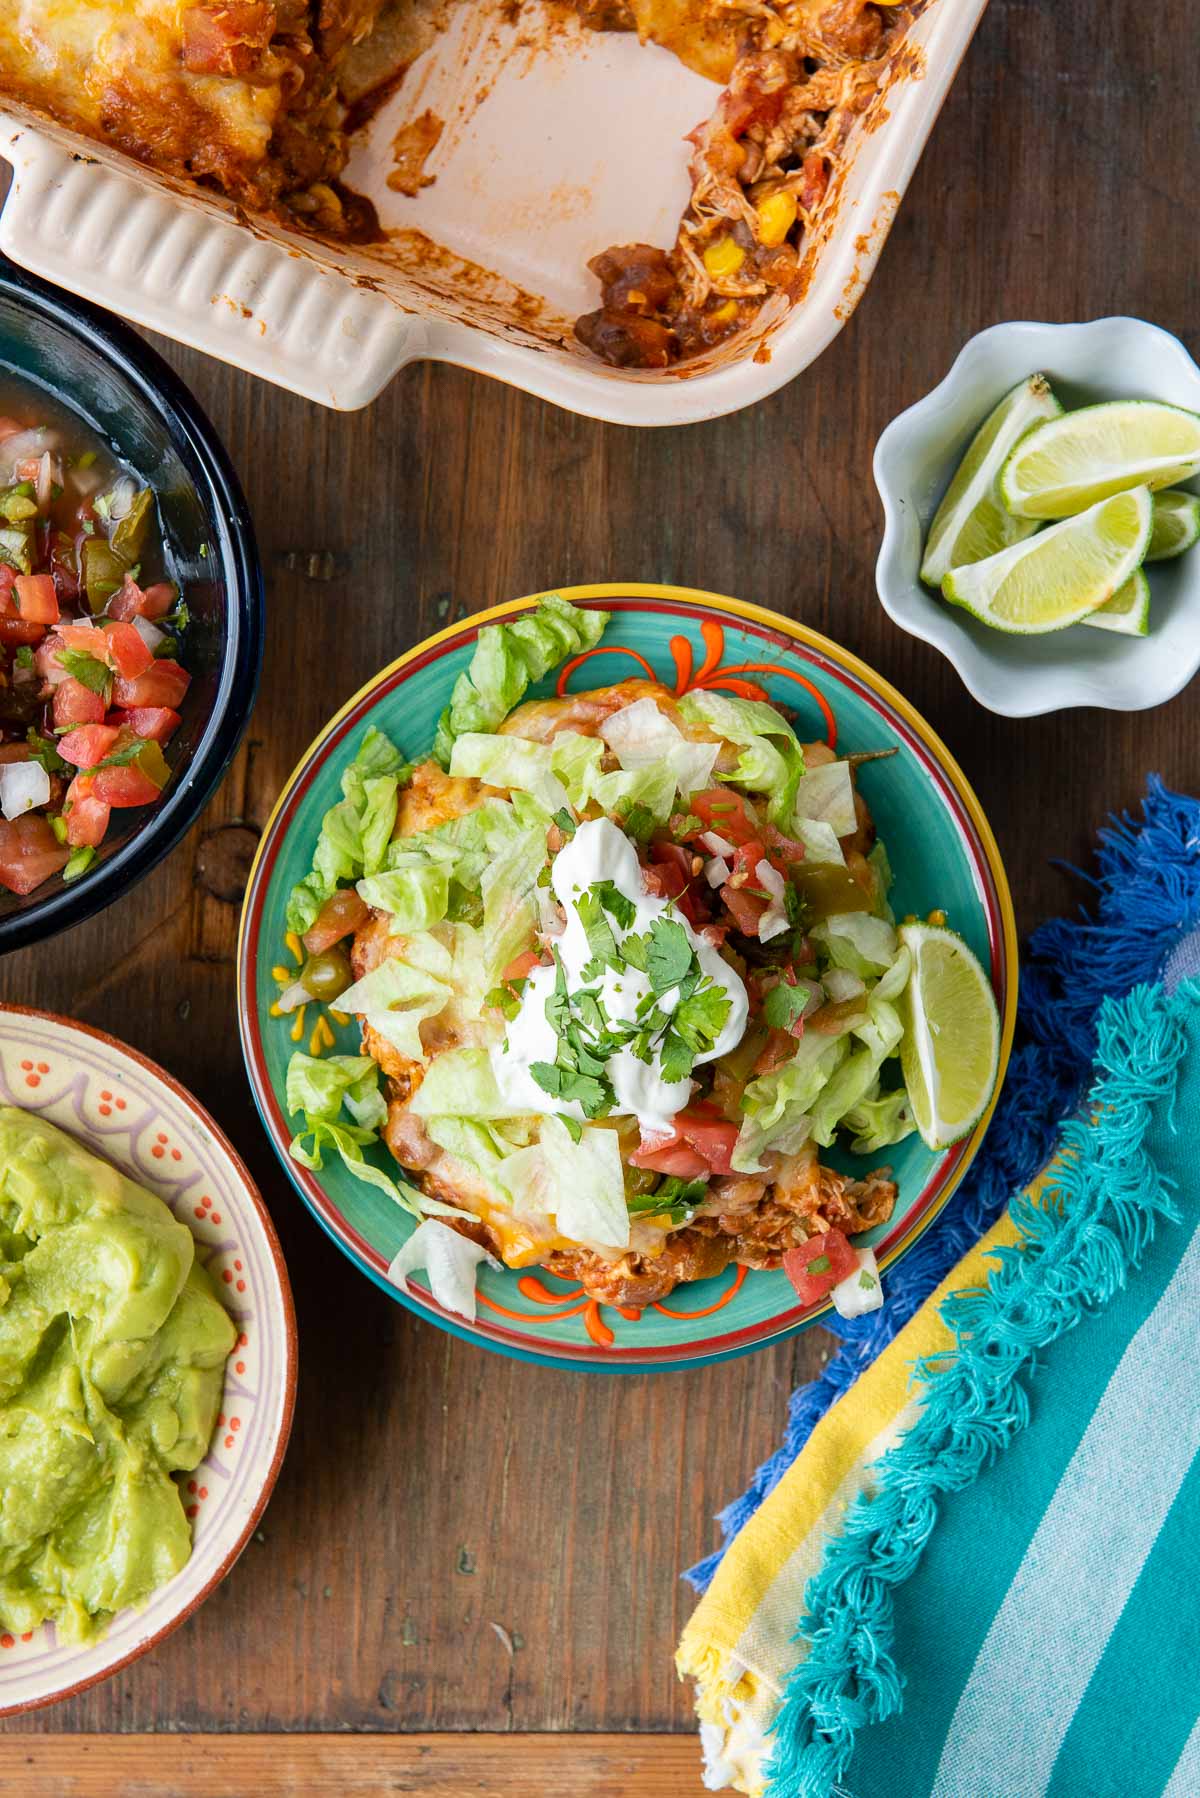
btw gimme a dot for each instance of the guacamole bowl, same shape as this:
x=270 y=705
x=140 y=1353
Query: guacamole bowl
x=943 y=857
x=123 y=1109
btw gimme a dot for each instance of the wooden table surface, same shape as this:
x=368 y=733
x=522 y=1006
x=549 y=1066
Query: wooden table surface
x=459 y=1543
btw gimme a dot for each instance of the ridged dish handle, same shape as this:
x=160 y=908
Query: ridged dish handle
x=121 y=240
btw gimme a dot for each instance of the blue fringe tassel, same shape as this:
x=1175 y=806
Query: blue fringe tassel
x=1147 y=885
x=1076 y=1254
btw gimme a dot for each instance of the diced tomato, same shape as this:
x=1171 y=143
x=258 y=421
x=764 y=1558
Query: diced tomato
x=76 y=704
x=744 y=908
x=87 y=745
x=779 y=1048
x=522 y=965
x=86 y=816
x=670 y=874
x=29 y=852
x=784 y=851
x=132 y=783
x=36 y=598
x=815 y=1267
x=8 y=581
x=341 y=913
x=701 y=1143
x=154 y=723
x=18 y=631
x=131 y=601
x=726 y=812
x=163 y=684
x=746 y=858
x=127 y=652
x=89 y=639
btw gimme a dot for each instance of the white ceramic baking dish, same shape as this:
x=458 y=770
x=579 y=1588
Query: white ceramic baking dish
x=543 y=163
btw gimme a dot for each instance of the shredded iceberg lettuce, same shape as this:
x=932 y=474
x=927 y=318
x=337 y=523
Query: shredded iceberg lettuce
x=317 y=1087
x=580 y=1184
x=771 y=762
x=856 y=940
x=507 y=658
x=450 y=1261
x=355 y=833
x=825 y=795
x=395 y=998
x=642 y=737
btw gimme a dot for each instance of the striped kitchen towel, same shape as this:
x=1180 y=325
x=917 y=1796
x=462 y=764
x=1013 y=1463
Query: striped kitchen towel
x=978 y=1624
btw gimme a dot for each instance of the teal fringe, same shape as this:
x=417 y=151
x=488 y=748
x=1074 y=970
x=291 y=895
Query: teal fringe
x=1079 y=1247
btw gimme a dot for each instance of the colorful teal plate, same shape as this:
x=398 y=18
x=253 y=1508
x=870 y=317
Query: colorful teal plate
x=943 y=855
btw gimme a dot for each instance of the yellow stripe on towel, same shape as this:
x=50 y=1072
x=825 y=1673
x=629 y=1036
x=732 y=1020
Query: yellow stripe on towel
x=738 y=1645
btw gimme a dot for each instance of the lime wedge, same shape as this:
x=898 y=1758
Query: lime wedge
x=1062 y=574
x=1128 y=611
x=950 y=1051
x=971 y=521
x=1069 y=463
x=1176 y=525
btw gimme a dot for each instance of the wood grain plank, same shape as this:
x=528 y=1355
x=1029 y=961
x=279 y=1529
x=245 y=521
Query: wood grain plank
x=433 y=1492
x=306 y=1766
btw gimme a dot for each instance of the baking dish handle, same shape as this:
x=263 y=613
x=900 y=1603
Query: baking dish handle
x=178 y=267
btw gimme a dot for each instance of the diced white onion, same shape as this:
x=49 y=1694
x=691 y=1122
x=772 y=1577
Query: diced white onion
x=22 y=786
x=45 y=481
x=715 y=844
x=149 y=633
x=119 y=498
x=293 y=997
x=861 y=1291
x=774 y=920
x=25 y=444
x=717 y=871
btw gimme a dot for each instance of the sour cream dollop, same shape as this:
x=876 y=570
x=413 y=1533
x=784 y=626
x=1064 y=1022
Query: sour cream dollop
x=599 y=851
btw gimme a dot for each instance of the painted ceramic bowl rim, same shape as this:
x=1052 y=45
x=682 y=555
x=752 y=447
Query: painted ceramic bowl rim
x=695 y=603
x=291 y=1357
x=160 y=390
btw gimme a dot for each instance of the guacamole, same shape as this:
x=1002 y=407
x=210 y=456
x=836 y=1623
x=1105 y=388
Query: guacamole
x=112 y=1356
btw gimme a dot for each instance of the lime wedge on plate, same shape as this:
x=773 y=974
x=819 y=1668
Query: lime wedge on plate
x=971 y=521
x=1068 y=463
x=1062 y=574
x=1127 y=612
x=950 y=1051
x=1176 y=525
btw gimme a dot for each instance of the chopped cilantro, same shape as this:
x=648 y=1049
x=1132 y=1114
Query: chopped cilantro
x=574 y=1127
x=616 y=903
x=820 y=1264
x=88 y=670
x=669 y=956
x=594 y=1096
x=866 y=1280
x=675 y=1058
x=637 y=821
x=506 y=998
x=700 y=1018
x=784 y=1005
x=599 y=932
x=24 y=656
x=634 y=949
x=43 y=751
x=565 y=822
x=672 y=1198
x=122 y=754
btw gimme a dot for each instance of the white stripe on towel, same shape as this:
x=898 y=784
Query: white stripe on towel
x=1082 y=1561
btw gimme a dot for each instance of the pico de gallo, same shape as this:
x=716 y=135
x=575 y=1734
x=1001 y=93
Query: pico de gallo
x=91 y=626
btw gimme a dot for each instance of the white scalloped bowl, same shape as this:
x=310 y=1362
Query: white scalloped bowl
x=129 y=1111
x=915 y=459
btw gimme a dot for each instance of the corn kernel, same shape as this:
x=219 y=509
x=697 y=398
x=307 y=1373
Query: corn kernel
x=776 y=216
x=724 y=314
x=723 y=257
